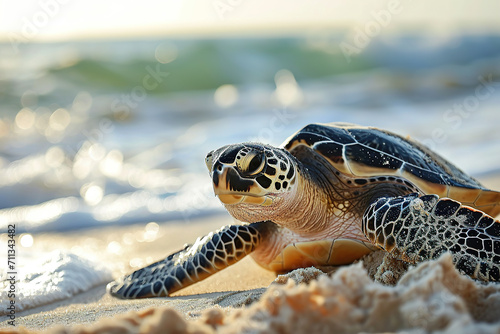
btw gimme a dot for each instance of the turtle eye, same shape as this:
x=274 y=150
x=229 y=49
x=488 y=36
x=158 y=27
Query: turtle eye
x=252 y=163
x=209 y=160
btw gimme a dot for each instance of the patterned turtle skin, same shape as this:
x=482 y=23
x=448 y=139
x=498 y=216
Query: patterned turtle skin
x=329 y=195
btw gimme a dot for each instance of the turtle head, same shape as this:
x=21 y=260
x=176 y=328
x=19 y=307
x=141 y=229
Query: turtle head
x=251 y=173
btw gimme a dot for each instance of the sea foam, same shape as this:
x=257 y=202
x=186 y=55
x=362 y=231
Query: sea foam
x=54 y=276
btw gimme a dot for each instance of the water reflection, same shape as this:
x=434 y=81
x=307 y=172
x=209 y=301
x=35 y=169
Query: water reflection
x=226 y=95
x=25 y=119
x=26 y=240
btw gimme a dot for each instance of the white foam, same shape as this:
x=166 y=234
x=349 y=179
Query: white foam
x=52 y=277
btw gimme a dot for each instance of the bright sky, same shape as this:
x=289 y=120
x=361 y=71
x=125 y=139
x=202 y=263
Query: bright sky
x=70 y=19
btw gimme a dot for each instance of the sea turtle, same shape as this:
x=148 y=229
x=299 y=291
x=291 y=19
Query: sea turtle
x=329 y=195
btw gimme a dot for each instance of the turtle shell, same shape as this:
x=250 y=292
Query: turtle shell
x=365 y=152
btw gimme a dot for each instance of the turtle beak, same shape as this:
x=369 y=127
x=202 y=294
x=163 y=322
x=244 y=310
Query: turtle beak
x=227 y=180
x=221 y=177
x=231 y=188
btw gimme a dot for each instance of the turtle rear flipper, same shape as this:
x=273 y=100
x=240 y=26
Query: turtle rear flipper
x=206 y=256
x=416 y=229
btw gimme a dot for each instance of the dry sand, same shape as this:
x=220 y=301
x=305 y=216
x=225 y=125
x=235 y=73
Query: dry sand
x=431 y=297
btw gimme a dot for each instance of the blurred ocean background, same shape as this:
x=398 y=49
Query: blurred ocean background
x=114 y=131
x=95 y=133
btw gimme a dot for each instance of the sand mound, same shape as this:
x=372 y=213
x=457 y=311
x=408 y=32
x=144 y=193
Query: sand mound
x=432 y=297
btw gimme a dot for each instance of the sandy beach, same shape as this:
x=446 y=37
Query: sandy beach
x=92 y=305
x=429 y=297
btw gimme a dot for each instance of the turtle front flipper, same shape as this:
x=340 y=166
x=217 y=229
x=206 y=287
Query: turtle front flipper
x=416 y=229
x=206 y=256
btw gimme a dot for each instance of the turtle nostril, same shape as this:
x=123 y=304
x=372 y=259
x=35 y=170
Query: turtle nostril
x=208 y=161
